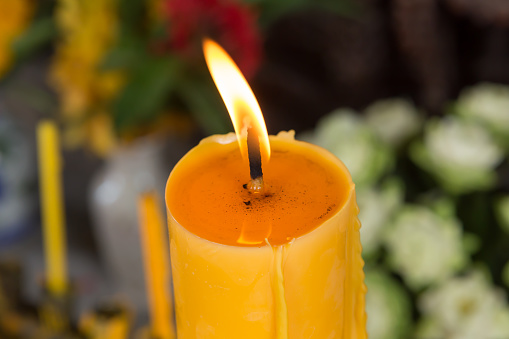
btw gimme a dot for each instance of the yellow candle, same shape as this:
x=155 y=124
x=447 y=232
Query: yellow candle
x=111 y=321
x=280 y=259
x=155 y=253
x=51 y=208
x=304 y=281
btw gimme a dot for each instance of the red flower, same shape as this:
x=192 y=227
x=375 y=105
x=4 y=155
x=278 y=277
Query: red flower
x=231 y=24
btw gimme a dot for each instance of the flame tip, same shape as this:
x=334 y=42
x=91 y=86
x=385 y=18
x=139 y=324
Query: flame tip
x=206 y=41
x=237 y=95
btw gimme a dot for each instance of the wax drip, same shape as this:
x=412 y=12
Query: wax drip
x=278 y=289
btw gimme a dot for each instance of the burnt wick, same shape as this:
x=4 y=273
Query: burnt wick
x=255 y=157
x=256 y=185
x=255 y=161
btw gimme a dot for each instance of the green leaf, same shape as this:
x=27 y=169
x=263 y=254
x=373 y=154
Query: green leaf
x=132 y=13
x=128 y=52
x=37 y=35
x=205 y=106
x=144 y=96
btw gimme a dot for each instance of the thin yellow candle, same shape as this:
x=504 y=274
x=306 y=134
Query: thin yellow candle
x=157 y=274
x=268 y=251
x=52 y=207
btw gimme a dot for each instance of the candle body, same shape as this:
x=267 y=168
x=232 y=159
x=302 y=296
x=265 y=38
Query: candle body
x=52 y=208
x=112 y=321
x=155 y=254
x=308 y=287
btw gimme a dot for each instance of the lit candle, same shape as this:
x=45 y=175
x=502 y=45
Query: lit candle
x=264 y=231
x=51 y=208
x=155 y=254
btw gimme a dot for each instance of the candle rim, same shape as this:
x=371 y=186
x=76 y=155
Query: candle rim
x=285 y=136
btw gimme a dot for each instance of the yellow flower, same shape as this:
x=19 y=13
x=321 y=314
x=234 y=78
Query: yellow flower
x=88 y=30
x=14 y=18
x=101 y=137
x=96 y=133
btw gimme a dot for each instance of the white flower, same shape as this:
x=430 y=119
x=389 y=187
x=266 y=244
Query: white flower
x=500 y=323
x=387 y=307
x=376 y=207
x=464 y=308
x=423 y=247
x=16 y=174
x=394 y=120
x=502 y=212
x=487 y=103
x=459 y=153
x=16 y=162
x=351 y=140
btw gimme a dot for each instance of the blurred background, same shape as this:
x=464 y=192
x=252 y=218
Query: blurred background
x=412 y=95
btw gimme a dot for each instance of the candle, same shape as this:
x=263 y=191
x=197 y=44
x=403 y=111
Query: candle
x=111 y=320
x=264 y=234
x=155 y=254
x=51 y=208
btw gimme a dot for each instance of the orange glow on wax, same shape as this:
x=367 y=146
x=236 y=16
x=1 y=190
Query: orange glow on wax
x=238 y=98
x=215 y=205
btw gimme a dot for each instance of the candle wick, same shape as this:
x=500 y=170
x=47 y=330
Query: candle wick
x=255 y=161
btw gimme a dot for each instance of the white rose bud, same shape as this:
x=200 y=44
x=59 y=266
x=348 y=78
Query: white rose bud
x=346 y=135
x=394 y=120
x=467 y=307
x=460 y=154
x=387 y=307
x=376 y=209
x=424 y=247
x=487 y=103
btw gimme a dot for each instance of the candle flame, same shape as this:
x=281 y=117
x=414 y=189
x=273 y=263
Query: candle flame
x=238 y=98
